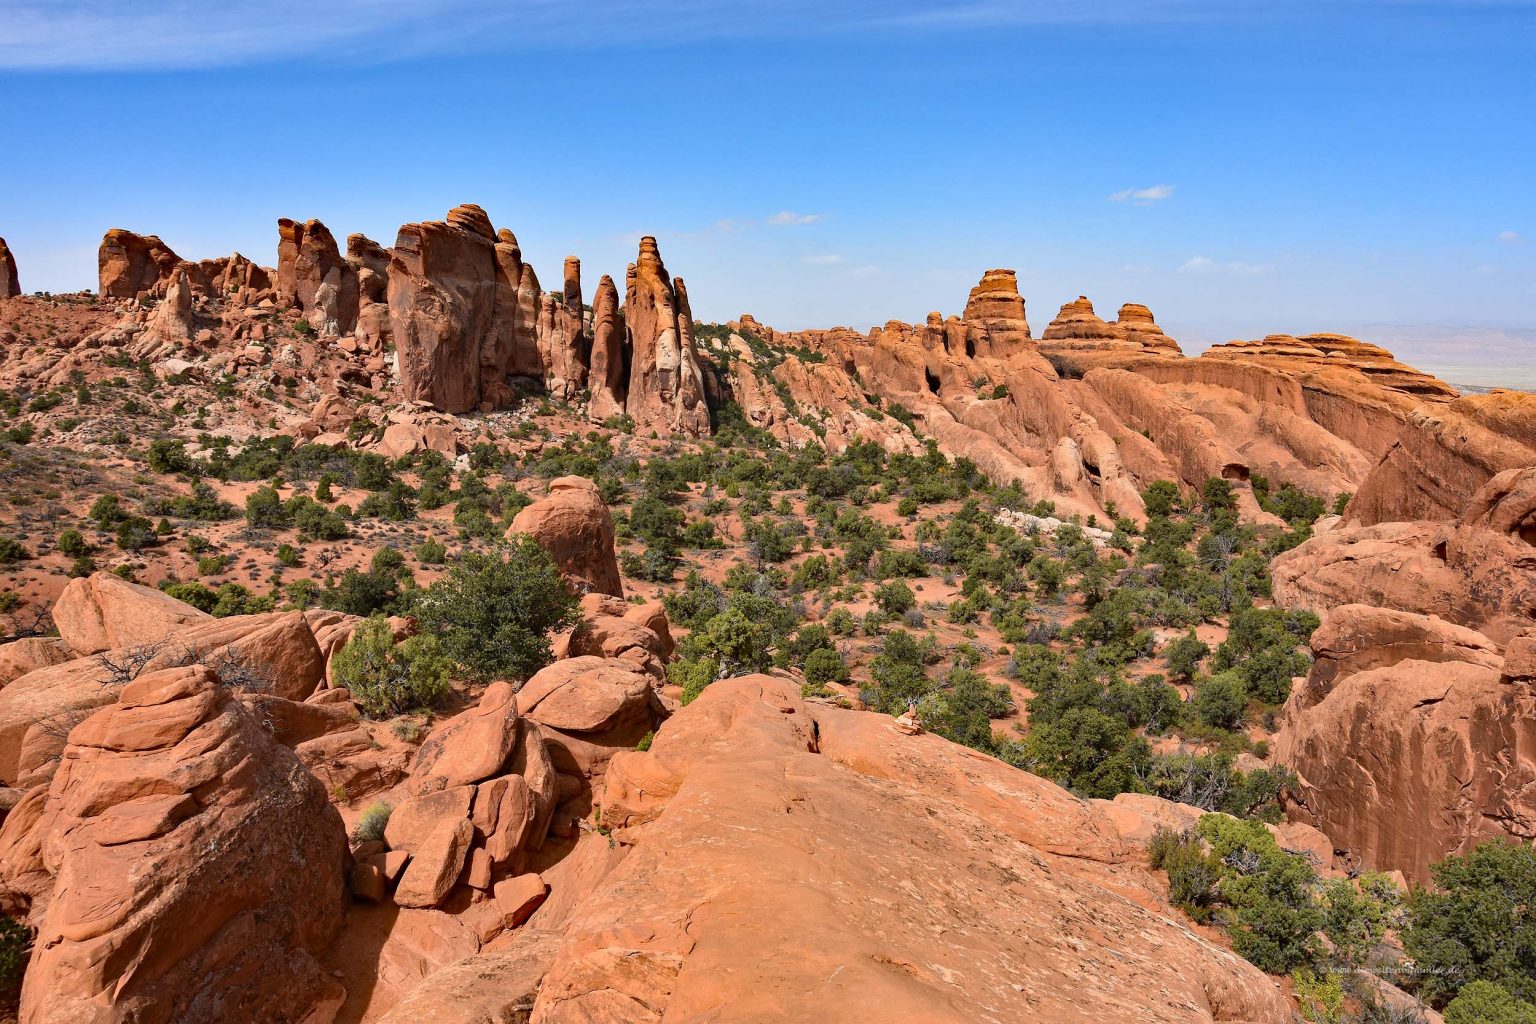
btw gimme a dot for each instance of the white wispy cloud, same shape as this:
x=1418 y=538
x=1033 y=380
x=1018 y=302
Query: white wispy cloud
x=1235 y=268
x=785 y=217
x=1142 y=196
x=1509 y=237
x=826 y=260
x=120 y=34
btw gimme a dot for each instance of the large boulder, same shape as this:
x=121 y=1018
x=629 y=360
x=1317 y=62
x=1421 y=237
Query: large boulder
x=99 y=612
x=271 y=653
x=1406 y=764
x=29 y=654
x=195 y=869
x=492 y=987
x=588 y=709
x=635 y=634
x=574 y=525
x=480 y=797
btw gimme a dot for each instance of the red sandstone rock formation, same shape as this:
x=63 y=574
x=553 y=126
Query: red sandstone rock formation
x=10 y=282
x=238 y=276
x=370 y=262
x=1080 y=339
x=562 y=339
x=181 y=866
x=313 y=276
x=1331 y=352
x=146 y=630
x=1409 y=741
x=102 y=611
x=1444 y=453
x=1135 y=324
x=609 y=372
x=1478 y=571
x=996 y=306
x=130 y=265
x=589 y=708
x=467 y=314
x=666 y=386
x=171 y=326
x=442 y=299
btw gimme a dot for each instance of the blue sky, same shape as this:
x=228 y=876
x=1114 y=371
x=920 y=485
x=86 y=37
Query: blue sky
x=1240 y=167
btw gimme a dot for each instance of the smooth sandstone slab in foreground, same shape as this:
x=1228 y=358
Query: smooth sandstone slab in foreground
x=884 y=878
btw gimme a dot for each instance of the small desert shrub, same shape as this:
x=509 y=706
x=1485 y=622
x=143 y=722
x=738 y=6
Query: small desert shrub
x=431 y=552
x=387 y=678
x=12 y=551
x=1192 y=873
x=15 y=948
x=370 y=827
x=823 y=666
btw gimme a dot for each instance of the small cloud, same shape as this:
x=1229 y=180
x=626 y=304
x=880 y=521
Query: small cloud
x=864 y=271
x=828 y=260
x=1142 y=196
x=1509 y=237
x=1237 y=268
x=787 y=217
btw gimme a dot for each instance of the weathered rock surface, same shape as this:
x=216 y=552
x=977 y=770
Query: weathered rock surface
x=1403 y=764
x=274 y=653
x=29 y=654
x=574 y=525
x=467 y=314
x=812 y=855
x=493 y=987
x=562 y=337
x=181 y=866
x=1079 y=337
x=1444 y=453
x=1333 y=352
x=442 y=300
